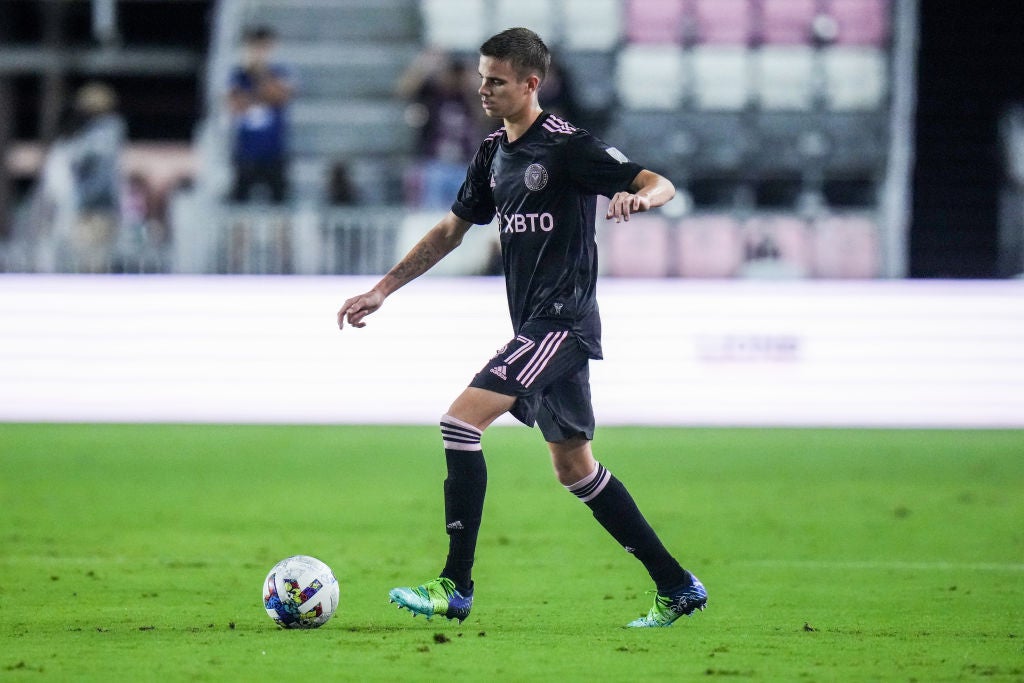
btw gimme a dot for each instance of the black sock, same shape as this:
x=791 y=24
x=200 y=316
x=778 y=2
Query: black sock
x=464 y=492
x=617 y=512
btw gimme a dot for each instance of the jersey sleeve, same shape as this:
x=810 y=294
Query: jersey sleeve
x=475 y=202
x=598 y=168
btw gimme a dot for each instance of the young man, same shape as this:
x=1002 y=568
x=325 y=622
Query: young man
x=258 y=97
x=540 y=175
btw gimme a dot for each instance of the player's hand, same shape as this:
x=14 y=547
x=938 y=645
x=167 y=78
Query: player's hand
x=623 y=204
x=358 y=307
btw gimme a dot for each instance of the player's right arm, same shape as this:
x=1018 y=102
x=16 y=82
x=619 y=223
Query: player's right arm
x=432 y=247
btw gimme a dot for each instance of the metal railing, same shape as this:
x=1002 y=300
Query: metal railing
x=345 y=241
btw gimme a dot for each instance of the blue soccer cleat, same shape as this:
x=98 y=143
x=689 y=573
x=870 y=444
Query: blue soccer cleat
x=437 y=596
x=668 y=608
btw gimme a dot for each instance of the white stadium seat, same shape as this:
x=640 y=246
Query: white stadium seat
x=592 y=24
x=856 y=78
x=721 y=77
x=651 y=76
x=454 y=25
x=540 y=15
x=784 y=77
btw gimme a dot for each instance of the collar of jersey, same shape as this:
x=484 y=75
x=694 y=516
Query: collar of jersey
x=529 y=131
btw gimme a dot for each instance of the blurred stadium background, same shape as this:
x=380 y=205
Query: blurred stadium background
x=869 y=141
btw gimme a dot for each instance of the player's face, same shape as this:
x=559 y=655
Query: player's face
x=502 y=94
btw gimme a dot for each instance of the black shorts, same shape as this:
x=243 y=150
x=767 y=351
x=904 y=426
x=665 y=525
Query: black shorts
x=548 y=372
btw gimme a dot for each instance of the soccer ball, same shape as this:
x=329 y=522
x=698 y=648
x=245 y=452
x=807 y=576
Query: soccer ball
x=300 y=592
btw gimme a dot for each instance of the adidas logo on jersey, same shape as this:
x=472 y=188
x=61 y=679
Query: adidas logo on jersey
x=455 y=526
x=501 y=371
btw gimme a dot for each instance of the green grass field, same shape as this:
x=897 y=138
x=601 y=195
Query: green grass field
x=138 y=553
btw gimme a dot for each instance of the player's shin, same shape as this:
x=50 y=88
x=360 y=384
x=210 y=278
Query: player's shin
x=464 y=492
x=617 y=512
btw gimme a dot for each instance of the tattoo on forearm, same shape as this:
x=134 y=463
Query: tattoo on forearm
x=418 y=261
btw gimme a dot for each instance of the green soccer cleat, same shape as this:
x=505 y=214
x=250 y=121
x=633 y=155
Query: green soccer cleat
x=437 y=596
x=668 y=608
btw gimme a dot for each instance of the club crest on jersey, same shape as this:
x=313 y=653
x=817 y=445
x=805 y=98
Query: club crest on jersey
x=536 y=177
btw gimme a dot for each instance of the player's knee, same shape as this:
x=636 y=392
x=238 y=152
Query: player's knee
x=459 y=435
x=572 y=460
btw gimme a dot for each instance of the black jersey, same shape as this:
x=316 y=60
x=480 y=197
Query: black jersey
x=543 y=188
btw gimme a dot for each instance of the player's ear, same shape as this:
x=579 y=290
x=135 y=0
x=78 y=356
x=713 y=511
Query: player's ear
x=532 y=82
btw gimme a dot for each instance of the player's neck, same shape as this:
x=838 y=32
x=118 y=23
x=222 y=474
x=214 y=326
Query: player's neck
x=516 y=126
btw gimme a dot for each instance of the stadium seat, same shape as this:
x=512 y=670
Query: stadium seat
x=638 y=247
x=654 y=21
x=856 y=78
x=539 y=15
x=651 y=76
x=724 y=142
x=589 y=71
x=784 y=77
x=346 y=71
x=709 y=246
x=856 y=140
x=787 y=22
x=592 y=24
x=454 y=25
x=722 y=22
x=349 y=128
x=316 y=20
x=860 y=22
x=846 y=246
x=776 y=245
x=659 y=139
x=721 y=77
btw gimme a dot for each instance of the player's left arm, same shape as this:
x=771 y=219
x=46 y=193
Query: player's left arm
x=647 y=191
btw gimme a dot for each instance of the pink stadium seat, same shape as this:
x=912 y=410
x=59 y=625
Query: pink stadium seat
x=709 y=246
x=728 y=22
x=846 y=247
x=654 y=21
x=777 y=246
x=638 y=248
x=860 y=22
x=787 y=22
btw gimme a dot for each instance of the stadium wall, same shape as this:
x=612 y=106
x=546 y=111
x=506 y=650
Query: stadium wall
x=678 y=352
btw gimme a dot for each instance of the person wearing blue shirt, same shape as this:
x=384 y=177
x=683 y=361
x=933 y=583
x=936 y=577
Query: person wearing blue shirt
x=258 y=97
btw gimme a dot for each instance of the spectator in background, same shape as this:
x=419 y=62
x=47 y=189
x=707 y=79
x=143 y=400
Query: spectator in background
x=82 y=181
x=444 y=108
x=258 y=97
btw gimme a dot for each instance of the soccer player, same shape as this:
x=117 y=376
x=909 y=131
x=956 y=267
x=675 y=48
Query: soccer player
x=540 y=175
